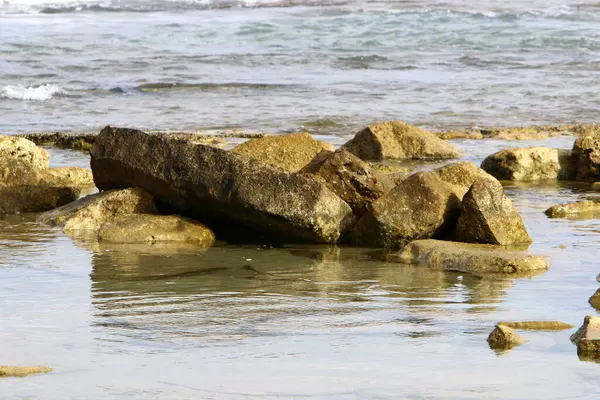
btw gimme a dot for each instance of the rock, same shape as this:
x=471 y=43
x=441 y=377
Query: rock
x=503 y=338
x=91 y=212
x=488 y=216
x=538 y=325
x=350 y=178
x=461 y=175
x=218 y=187
x=529 y=164
x=146 y=228
x=21 y=161
x=595 y=300
x=586 y=155
x=587 y=338
x=68 y=176
x=16 y=371
x=529 y=132
x=33 y=198
x=579 y=209
x=422 y=206
x=467 y=134
x=469 y=257
x=288 y=152
x=397 y=140
x=63 y=140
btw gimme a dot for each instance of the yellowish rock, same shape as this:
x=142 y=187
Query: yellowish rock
x=16 y=371
x=529 y=164
x=503 y=338
x=538 y=325
x=68 y=176
x=21 y=161
x=34 y=198
x=578 y=209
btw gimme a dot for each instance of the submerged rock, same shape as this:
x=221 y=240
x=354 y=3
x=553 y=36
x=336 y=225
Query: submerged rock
x=17 y=371
x=529 y=164
x=468 y=257
x=488 y=216
x=587 y=337
x=64 y=140
x=89 y=213
x=350 y=178
x=504 y=338
x=220 y=188
x=289 y=152
x=397 y=140
x=146 y=228
x=422 y=206
x=579 y=209
x=538 y=325
x=21 y=161
x=586 y=155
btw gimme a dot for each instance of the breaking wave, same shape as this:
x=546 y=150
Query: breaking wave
x=33 y=93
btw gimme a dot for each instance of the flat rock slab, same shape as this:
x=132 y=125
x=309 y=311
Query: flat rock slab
x=467 y=257
x=538 y=325
x=577 y=209
x=16 y=371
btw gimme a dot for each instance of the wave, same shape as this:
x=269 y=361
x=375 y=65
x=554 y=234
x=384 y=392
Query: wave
x=160 y=86
x=34 y=93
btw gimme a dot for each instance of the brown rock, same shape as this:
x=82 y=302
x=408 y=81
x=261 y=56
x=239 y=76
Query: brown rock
x=397 y=140
x=422 y=206
x=538 y=325
x=529 y=164
x=586 y=155
x=350 y=178
x=577 y=209
x=218 y=187
x=68 y=176
x=587 y=338
x=503 y=338
x=288 y=152
x=91 y=212
x=16 y=371
x=461 y=175
x=488 y=216
x=21 y=161
x=34 y=198
x=147 y=228
x=595 y=300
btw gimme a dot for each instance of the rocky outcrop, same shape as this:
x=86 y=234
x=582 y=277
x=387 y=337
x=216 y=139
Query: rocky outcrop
x=397 y=140
x=587 y=337
x=577 y=209
x=17 y=371
x=350 y=178
x=288 y=152
x=146 y=228
x=504 y=338
x=88 y=214
x=586 y=155
x=21 y=161
x=468 y=257
x=422 y=206
x=461 y=176
x=529 y=164
x=33 y=198
x=63 y=140
x=488 y=216
x=538 y=325
x=68 y=176
x=220 y=188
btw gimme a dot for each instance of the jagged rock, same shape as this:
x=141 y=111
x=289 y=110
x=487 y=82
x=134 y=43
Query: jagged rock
x=34 y=198
x=21 y=161
x=529 y=164
x=350 y=178
x=422 y=206
x=461 y=175
x=579 y=209
x=586 y=155
x=469 y=257
x=218 y=187
x=289 y=152
x=595 y=300
x=91 y=212
x=17 y=371
x=488 y=216
x=503 y=338
x=68 y=176
x=398 y=140
x=587 y=337
x=538 y=325
x=146 y=228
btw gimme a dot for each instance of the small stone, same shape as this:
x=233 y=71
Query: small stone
x=504 y=338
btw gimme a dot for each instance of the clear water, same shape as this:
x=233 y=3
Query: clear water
x=328 y=67
x=255 y=322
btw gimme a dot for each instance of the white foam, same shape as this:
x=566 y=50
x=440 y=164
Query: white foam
x=36 y=93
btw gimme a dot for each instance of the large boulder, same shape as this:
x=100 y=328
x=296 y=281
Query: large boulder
x=218 y=187
x=586 y=155
x=423 y=206
x=529 y=164
x=21 y=161
x=461 y=176
x=397 y=140
x=35 y=198
x=350 y=178
x=146 y=228
x=289 y=152
x=577 y=209
x=488 y=216
x=88 y=214
x=469 y=257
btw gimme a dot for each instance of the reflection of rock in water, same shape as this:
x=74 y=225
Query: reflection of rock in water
x=230 y=292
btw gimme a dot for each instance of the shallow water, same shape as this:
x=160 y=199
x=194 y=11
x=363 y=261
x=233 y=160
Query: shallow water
x=325 y=66
x=256 y=322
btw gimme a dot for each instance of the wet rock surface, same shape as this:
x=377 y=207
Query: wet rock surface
x=587 y=338
x=578 y=209
x=397 y=140
x=504 y=338
x=538 y=325
x=19 y=371
x=530 y=164
x=586 y=155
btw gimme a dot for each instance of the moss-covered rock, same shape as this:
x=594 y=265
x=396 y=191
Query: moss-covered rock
x=576 y=209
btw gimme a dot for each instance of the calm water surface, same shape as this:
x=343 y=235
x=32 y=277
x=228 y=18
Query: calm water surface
x=256 y=322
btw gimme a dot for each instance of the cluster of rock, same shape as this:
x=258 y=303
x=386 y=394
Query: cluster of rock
x=504 y=337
